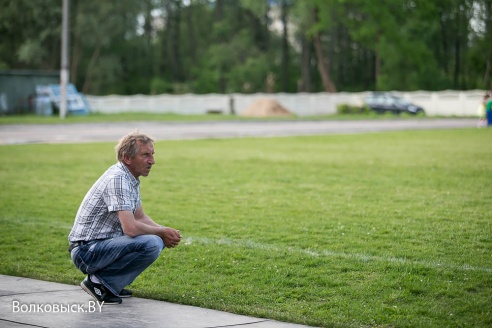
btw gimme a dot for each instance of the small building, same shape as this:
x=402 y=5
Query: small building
x=18 y=89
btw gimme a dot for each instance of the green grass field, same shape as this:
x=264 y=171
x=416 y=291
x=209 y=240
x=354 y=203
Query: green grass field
x=382 y=229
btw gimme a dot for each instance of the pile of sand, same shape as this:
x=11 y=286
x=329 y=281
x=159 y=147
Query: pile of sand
x=264 y=108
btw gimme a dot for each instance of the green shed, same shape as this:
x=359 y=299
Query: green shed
x=18 y=89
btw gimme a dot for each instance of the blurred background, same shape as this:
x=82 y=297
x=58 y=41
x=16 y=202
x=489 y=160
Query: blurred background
x=152 y=47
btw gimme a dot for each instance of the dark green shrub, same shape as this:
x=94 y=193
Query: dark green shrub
x=351 y=109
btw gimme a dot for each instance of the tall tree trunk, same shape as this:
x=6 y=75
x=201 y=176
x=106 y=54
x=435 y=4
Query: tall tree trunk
x=488 y=33
x=457 y=54
x=285 y=49
x=219 y=16
x=174 y=11
x=75 y=52
x=75 y=60
x=219 y=10
x=377 y=69
x=148 y=33
x=305 y=85
x=90 y=68
x=191 y=34
x=328 y=84
x=488 y=69
x=444 y=41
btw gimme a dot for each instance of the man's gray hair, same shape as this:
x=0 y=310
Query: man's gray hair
x=129 y=144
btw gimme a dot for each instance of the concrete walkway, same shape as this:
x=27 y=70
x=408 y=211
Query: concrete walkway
x=32 y=303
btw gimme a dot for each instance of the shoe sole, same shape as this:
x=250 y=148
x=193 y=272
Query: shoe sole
x=88 y=291
x=125 y=296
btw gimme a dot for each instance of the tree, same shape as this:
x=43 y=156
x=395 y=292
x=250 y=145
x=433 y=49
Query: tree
x=480 y=56
x=30 y=34
x=323 y=62
x=202 y=46
x=314 y=21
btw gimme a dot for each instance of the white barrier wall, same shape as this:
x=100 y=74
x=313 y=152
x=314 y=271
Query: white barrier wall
x=442 y=103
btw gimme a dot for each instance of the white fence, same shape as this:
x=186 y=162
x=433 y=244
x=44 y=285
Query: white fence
x=442 y=103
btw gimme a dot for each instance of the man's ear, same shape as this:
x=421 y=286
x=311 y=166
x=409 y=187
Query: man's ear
x=126 y=159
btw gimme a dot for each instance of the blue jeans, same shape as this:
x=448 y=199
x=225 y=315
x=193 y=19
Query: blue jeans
x=116 y=262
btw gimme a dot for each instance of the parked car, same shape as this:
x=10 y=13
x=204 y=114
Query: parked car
x=382 y=102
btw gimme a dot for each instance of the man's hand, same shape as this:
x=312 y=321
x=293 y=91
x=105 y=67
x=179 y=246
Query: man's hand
x=171 y=237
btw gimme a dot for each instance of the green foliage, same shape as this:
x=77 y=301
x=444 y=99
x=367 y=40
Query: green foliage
x=238 y=64
x=382 y=229
x=160 y=86
x=233 y=46
x=345 y=109
x=30 y=34
x=31 y=52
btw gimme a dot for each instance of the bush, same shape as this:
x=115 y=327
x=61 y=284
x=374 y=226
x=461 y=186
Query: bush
x=351 y=109
x=159 y=86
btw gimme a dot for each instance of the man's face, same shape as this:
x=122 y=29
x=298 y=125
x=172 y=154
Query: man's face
x=142 y=162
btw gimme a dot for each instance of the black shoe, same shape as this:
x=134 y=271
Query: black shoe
x=99 y=292
x=125 y=293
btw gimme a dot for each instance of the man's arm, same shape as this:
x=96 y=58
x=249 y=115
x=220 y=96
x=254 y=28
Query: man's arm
x=141 y=224
x=144 y=218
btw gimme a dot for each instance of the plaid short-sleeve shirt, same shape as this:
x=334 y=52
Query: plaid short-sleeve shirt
x=97 y=218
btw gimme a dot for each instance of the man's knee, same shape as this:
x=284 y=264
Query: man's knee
x=153 y=244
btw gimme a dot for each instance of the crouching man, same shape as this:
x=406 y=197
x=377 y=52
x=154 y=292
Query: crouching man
x=112 y=239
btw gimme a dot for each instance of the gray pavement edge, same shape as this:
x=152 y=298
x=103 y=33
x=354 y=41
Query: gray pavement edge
x=33 y=303
x=112 y=132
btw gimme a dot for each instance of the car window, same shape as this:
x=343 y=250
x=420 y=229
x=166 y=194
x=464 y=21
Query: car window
x=401 y=101
x=388 y=101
